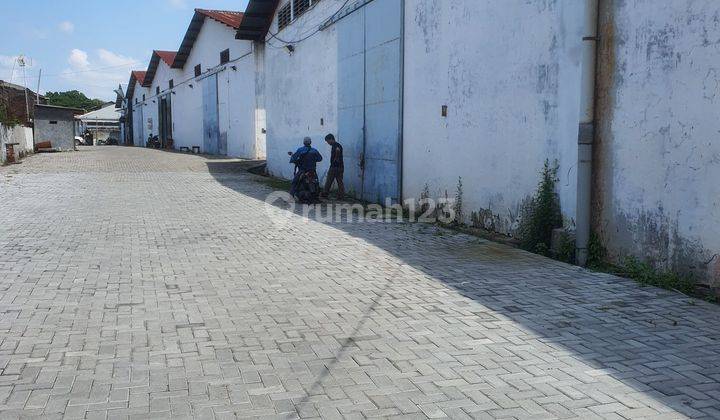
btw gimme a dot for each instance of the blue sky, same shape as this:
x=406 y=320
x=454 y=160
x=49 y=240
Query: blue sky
x=71 y=39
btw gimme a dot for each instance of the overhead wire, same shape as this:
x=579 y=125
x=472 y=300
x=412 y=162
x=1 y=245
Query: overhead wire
x=92 y=70
x=311 y=34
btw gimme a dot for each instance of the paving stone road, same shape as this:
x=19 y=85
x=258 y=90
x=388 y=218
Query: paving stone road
x=137 y=283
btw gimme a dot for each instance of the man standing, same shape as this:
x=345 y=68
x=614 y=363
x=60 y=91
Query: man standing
x=335 y=173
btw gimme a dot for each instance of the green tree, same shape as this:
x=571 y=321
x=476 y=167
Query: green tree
x=73 y=99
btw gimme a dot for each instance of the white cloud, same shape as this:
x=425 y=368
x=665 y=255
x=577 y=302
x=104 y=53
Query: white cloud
x=98 y=74
x=66 y=26
x=177 y=4
x=109 y=58
x=78 y=60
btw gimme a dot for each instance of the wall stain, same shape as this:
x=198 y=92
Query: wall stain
x=635 y=227
x=659 y=47
x=427 y=15
x=492 y=221
x=654 y=237
x=607 y=81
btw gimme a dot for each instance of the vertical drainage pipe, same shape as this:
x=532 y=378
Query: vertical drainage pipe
x=586 y=130
x=401 y=122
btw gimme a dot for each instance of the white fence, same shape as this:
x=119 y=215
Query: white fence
x=16 y=134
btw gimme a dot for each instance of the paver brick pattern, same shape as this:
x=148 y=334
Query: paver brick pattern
x=137 y=283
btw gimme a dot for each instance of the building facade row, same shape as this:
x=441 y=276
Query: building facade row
x=203 y=95
x=621 y=96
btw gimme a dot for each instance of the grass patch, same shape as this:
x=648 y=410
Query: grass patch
x=643 y=272
x=275 y=183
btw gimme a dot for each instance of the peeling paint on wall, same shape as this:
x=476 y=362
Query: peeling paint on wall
x=656 y=155
x=512 y=100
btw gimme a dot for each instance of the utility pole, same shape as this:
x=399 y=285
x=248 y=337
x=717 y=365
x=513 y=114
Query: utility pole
x=37 y=92
x=21 y=63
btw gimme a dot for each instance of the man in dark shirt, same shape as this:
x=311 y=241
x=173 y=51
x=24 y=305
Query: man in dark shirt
x=335 y=173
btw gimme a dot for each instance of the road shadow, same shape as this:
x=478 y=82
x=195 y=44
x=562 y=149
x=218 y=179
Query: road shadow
x=659 y=343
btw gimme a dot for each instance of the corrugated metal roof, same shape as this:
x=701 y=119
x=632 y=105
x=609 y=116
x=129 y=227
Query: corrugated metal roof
x=106 y=113
x=16 y=87
x=65 y=108
x=226 y=17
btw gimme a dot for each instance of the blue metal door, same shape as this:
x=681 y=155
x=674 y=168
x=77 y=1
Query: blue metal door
x=140 y=127
x=211 y=127
x=382 y=100
x=369 y=98
x=351 y=97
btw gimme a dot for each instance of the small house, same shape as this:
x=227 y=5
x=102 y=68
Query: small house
x=55 y=127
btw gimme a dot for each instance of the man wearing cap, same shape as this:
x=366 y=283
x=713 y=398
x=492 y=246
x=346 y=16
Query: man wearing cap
x=305 y=159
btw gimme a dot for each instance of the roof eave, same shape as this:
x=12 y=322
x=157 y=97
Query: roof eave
x=188 y=41
x=257 y=19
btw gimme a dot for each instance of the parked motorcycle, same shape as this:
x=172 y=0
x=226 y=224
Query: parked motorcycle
x=307 y=189
x=153 y=142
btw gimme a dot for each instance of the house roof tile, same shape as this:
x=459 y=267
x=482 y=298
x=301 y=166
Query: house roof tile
x=226 y=17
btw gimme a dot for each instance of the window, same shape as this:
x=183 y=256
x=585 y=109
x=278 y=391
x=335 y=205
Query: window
x=284 y=16
x=157 y=90
x=224 y=56
x=171 y=84
x=198 y=70
x=293 y=10
x=300 y=7
x=136 y=101
x=143 y=97
x=53 y=122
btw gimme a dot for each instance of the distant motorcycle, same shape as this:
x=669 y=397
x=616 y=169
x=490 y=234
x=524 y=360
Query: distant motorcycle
x=153 y=142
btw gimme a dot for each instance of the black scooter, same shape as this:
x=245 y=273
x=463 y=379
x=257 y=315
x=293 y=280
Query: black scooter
x=306 y=185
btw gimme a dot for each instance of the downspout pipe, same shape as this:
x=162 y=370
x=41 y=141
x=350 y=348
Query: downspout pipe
x=586 y=130
x=401 y=124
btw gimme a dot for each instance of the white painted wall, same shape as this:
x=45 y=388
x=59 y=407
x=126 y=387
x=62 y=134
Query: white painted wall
x=509 y=73
x=140 y=131
x=260 y=119
x=236 y=97
x=187 y=112
x=163 y=75
x=16 y=134
x=236 y=93
x=657 y=155
x=301 y=89
x=519 y=93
